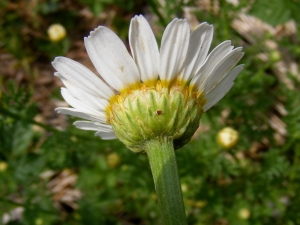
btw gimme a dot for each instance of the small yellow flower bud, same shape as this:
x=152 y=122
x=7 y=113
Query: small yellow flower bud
x=39 y=221
x=275 y=56
x=228 y=137
x=73 y=138
x=113 y=160
x=244 y=213
x=3 y=166
x=184 y=187
x=56 y=32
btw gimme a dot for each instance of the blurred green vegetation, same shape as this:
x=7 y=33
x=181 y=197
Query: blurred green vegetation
x=68 y=176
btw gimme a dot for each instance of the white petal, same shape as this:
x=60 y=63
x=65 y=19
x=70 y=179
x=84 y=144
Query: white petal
x=106 y=135
x=144 y=48
x=91 y=100
x=88 y=125
x=111 y=58
x=222 y=88
x=174 y=46
x=82 y=77
x=80 y=114
x=221 y=69
x=75 y=103
x=211 y=61
x=199 y=45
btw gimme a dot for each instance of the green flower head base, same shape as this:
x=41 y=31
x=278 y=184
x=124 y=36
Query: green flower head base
x=150 y=111
x=155 y=93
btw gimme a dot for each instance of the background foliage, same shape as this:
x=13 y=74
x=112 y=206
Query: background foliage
x=52 y=173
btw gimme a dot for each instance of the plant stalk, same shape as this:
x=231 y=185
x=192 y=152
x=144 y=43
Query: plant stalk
x=163 y=165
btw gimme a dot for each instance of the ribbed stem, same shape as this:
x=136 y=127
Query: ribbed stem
x=163 y=165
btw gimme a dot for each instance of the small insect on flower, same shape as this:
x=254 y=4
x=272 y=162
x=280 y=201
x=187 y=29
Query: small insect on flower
x=159 y=112
x=178 y=82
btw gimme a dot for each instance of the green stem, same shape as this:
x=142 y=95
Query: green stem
x=163 y=165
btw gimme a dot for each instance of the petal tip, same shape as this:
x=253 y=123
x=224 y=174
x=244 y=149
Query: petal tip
x=76 y=123
x=56 y=59
x=94 y=32
x=57 y=74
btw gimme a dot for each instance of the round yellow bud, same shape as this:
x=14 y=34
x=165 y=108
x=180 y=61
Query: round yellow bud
x=228 y=137
x=73 y=138
x=39 y=221
x=113 y=160
x=275 y=56
x=56 y=32
x=3 y=166
x=184 y=187
x=244 y=213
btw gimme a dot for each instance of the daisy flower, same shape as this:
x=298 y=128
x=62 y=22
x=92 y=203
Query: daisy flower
x=152 y=92
x=153 y=100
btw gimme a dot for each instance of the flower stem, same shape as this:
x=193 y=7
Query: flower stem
x=163 y=165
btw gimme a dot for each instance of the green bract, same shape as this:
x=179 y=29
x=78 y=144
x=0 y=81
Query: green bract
x=150 y=112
